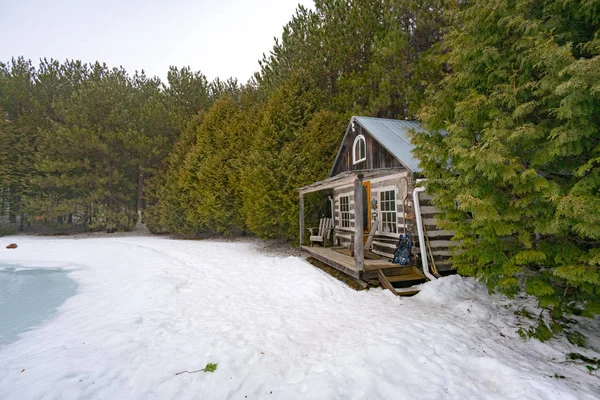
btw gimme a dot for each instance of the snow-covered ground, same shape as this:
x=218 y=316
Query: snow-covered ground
x=147 y=308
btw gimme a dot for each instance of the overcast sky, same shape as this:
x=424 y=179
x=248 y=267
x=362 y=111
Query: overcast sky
x=221 y=38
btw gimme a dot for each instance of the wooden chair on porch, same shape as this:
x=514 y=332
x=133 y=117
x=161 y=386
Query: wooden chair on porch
x=323 y=233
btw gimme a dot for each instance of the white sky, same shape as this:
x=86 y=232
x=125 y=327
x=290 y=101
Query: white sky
x=220 y=38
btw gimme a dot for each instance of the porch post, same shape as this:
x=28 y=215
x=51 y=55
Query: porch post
x=301 y=218
x=359 y=260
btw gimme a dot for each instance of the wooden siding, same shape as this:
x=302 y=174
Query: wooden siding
x=440 y=240
x=377 y=156
x=384 y=244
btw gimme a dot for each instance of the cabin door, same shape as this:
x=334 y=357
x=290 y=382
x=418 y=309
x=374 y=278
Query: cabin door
x=366 y=209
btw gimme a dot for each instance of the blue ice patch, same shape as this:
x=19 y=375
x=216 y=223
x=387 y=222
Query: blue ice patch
x=28 y=296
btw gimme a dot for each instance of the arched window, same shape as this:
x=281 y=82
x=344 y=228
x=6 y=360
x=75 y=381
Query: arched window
x=359 y=149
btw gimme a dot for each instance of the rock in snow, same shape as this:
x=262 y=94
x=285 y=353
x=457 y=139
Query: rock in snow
x=146 y=308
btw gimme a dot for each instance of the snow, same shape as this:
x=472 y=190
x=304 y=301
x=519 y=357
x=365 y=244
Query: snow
x=146 y=308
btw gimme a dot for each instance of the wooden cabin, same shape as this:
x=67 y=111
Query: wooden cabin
x=371 y=190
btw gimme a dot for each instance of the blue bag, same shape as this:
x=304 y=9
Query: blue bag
x=402 y=252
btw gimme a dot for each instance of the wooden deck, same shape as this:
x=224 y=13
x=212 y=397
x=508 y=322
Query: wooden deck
x=334 y=259
x=345 y=263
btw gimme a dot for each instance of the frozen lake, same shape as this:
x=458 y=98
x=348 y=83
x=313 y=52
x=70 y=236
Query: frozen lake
x=28 y=296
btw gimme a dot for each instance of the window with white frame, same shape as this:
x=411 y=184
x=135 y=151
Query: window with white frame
x=345 y=211
x=387 y=211
x=359 y=149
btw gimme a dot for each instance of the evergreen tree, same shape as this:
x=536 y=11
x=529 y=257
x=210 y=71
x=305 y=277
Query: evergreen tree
x=85 y=165
x=20 y=123
x=166 y=208
x=210 y=204
x=103 y=143
x=370 y=58
x=516 y=170
x=153 y=134
x=11 y=168
x=331 y=62
x=278 y=162
x=187 y=95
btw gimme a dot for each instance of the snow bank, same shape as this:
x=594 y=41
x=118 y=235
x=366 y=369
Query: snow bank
x=147 y=308
x=451 y=289
x=462 y=295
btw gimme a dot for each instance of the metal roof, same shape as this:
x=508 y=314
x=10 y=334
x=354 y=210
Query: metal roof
x=393 y=135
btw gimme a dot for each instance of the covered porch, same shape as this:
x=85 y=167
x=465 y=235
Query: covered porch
x=357 y=261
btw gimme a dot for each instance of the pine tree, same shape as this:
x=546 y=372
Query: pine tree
x=87 y=174
x=187 y=94
x=369 y=59
x=20 y=124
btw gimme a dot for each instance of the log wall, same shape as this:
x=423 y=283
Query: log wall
x=385 y=243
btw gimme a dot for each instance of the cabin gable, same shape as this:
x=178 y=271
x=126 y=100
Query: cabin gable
x=376 y=157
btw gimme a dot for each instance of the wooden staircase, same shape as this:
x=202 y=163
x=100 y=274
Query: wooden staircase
x=388 y=276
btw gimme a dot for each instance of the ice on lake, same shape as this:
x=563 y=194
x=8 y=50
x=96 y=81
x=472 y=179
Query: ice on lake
x=28 y=296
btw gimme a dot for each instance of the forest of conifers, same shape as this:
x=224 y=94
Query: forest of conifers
x=514 y=84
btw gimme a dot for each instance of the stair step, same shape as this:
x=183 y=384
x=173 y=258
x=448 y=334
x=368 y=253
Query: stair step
x=400 y=271
x=384 y=265
x=415 y=276
x=391 y=272
x=407 y=291
x=385 y=282
x=395 y=270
